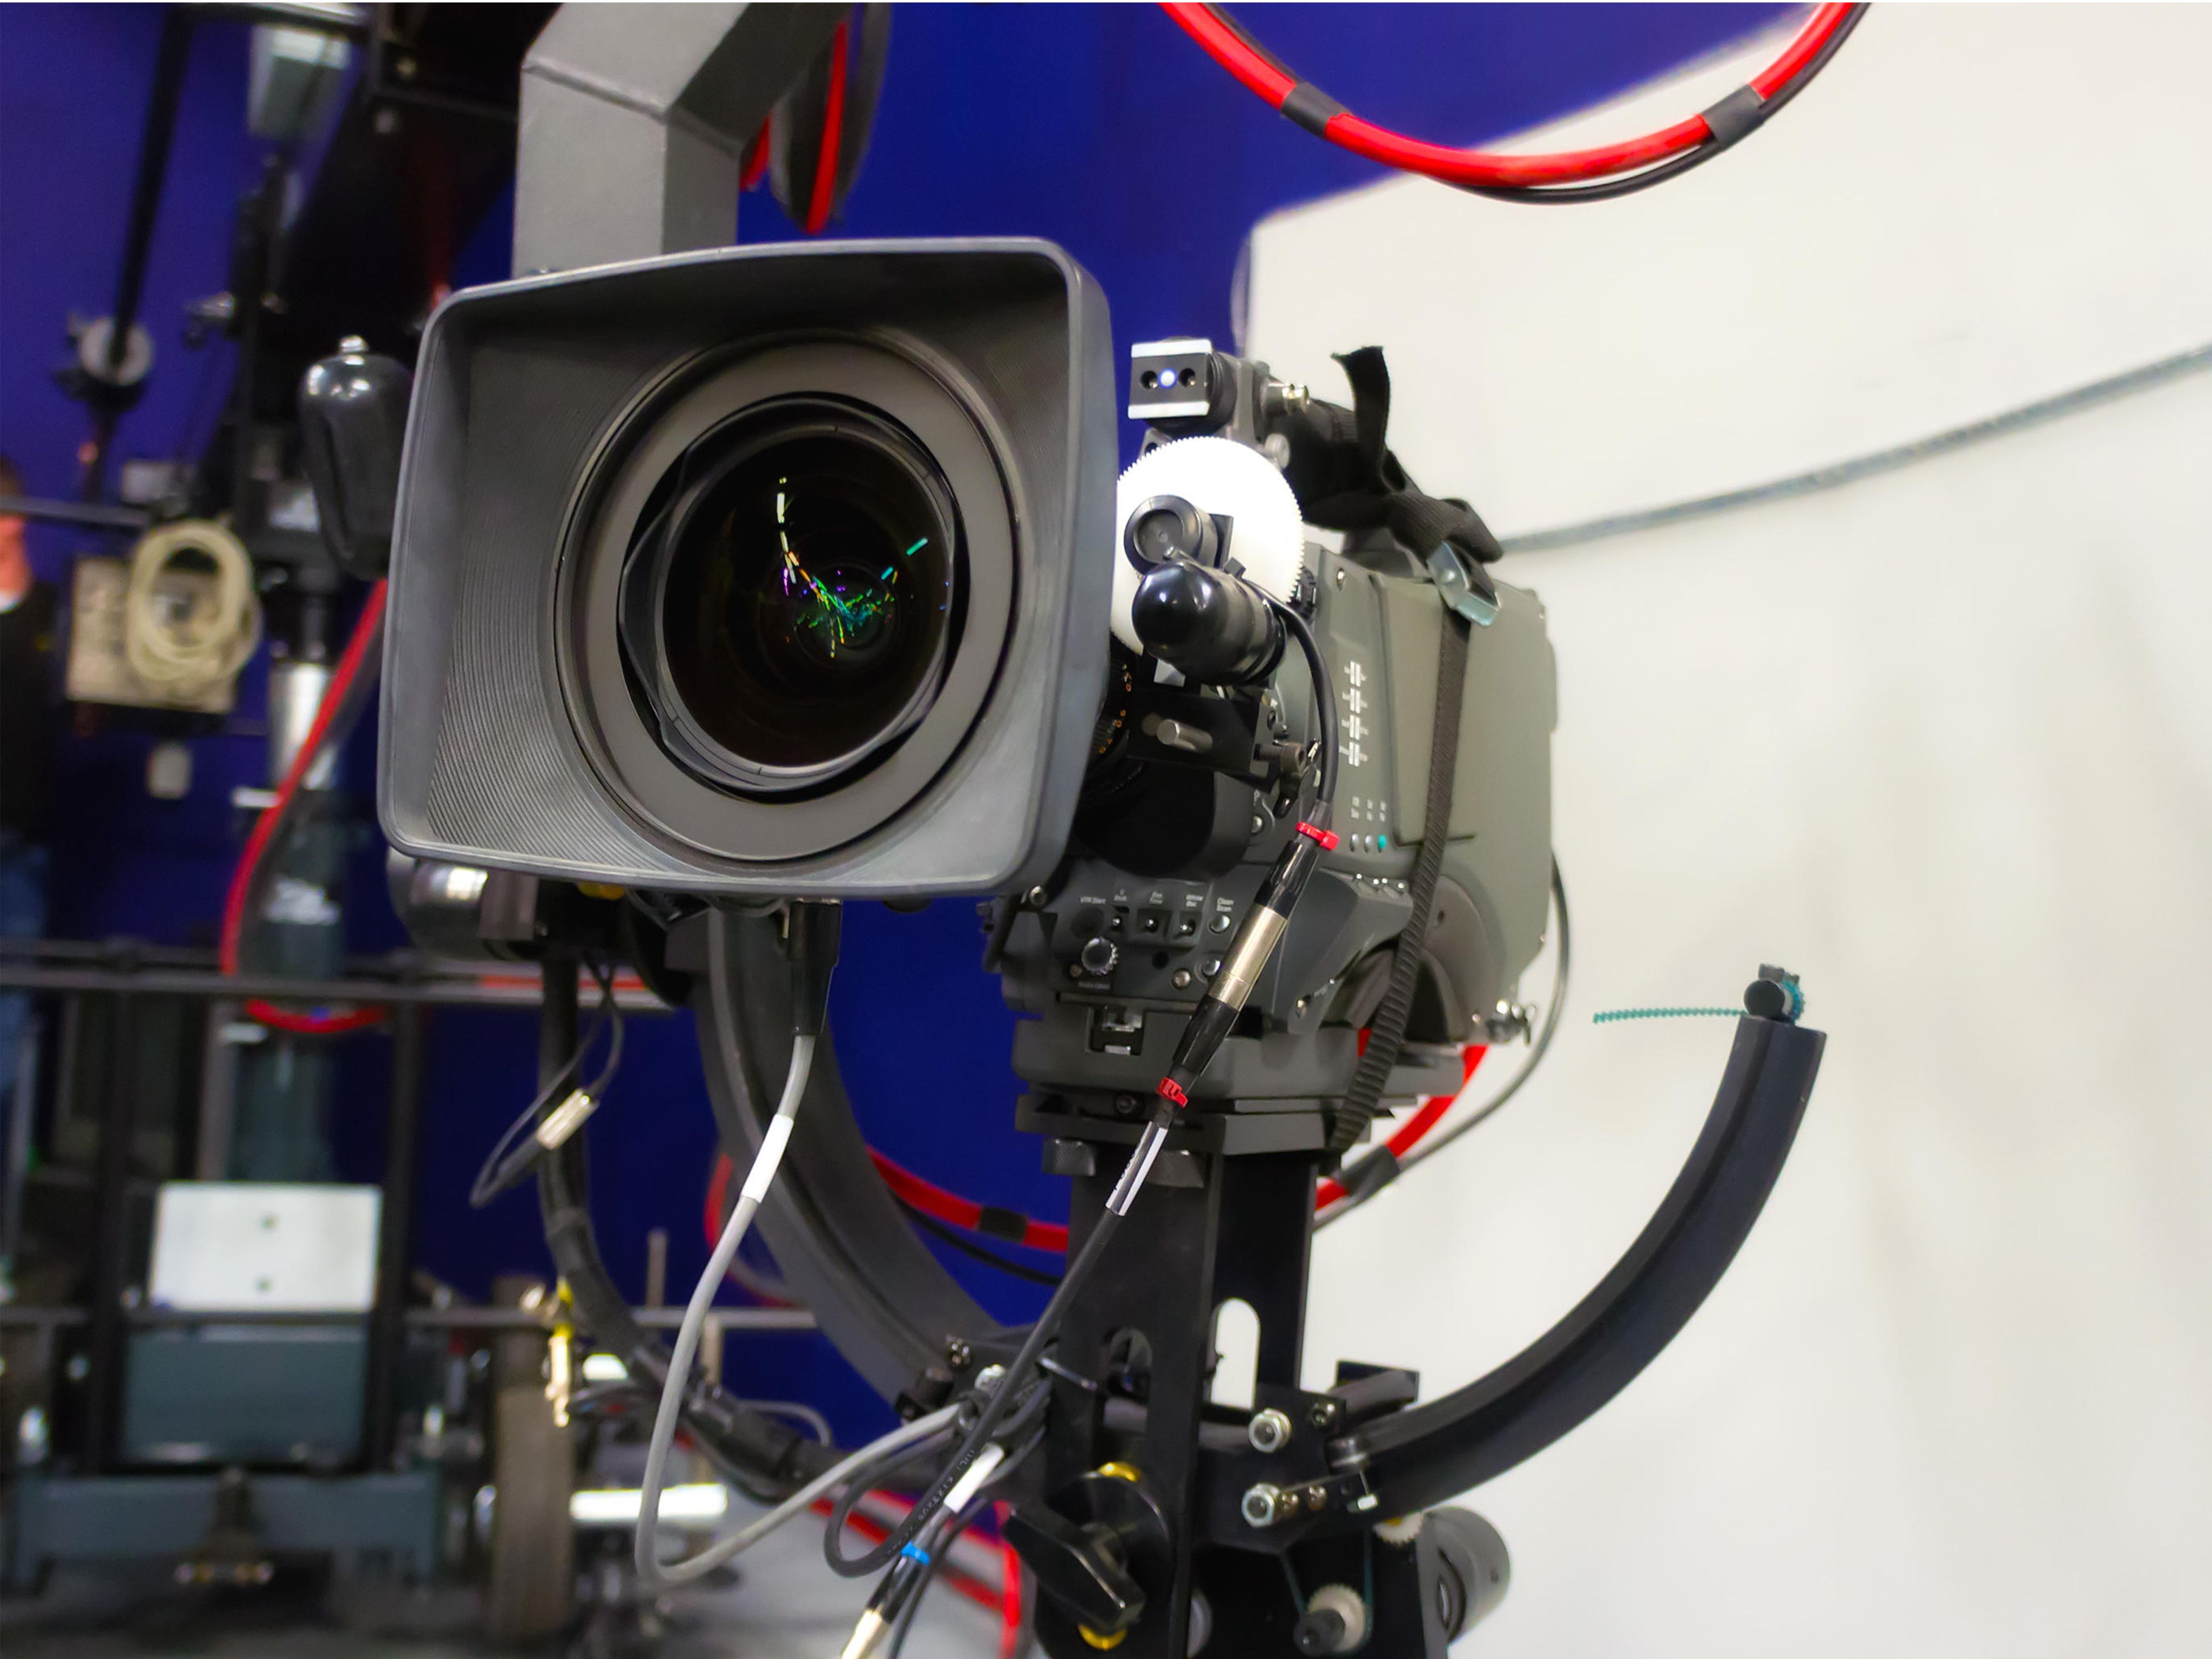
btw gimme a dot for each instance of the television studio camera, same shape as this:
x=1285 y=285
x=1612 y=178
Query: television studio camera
x=730 y=587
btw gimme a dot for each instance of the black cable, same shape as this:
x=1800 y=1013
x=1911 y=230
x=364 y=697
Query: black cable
x=874 y=1476
x=967 y=1246
x=1394 y=1166
x=870 y=1476
x=1080 y=1266
x=1324 y=690
x=1673 y=166
x=517 y=1150
x=943 y=1546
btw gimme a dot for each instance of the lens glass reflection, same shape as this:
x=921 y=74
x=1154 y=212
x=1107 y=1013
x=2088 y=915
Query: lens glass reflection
x=809 y=598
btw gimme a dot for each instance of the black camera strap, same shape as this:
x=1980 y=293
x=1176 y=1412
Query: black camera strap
x=1346 y=478
x=1386 y=1032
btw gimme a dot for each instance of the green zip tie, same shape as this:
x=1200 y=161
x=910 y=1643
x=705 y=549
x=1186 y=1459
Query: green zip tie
x=1611 y=1015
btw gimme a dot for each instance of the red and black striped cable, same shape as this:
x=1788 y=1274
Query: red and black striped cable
x=925 y=1199
x=1605 y=171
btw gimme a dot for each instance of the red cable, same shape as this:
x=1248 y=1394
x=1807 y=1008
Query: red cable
x=755 y=165
x=1010 y=1592
x=1463 y=166
x=962 y=1212
x=1408 y=1134
x=718 y=1189
x=365 y=632
x=967 y=1214
x=833 y=126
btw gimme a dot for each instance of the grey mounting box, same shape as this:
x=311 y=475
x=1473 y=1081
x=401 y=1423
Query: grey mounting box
x=508 y=737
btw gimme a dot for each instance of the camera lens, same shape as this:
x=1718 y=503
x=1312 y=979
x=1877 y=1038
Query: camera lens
x=805 y=580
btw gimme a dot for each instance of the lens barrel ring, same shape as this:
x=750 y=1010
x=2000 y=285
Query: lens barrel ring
x=665 y=792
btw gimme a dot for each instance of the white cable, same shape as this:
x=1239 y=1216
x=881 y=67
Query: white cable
x=651 y=1574
x=185 y=655
x=979 y=1474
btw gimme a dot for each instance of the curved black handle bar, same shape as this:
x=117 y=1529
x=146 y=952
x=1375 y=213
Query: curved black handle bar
x=1427 y=1454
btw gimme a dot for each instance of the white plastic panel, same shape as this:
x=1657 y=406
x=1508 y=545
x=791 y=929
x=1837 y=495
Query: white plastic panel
x=228 y=1245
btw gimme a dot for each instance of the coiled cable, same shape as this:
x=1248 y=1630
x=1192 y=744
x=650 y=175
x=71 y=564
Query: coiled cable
x=185 y=656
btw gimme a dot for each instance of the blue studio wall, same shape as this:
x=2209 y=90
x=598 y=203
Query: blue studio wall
x=1099 y=126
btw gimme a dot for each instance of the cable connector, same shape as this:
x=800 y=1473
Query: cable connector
x=910 y=1570
x=1247 y=957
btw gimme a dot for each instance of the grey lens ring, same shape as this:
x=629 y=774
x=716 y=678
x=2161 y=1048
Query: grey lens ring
x=619 y=740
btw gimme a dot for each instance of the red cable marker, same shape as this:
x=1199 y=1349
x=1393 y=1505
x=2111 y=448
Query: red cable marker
x=1315 y=110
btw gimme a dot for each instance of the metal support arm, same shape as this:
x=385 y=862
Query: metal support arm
x=634 y=119
x=1428 y=1454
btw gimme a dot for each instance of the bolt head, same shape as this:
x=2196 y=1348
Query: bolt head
x=1322 y=1414
x=1268 y=1430
x=1263 y=1504
x=1036 y=896
x=958 y=1353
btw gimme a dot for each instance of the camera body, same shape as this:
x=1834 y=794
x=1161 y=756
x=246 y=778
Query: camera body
x=1193 y=790
x=802 y=572
x=757 y=571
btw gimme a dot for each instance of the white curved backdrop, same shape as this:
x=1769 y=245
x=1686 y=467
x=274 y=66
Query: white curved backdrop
x=1942 y=741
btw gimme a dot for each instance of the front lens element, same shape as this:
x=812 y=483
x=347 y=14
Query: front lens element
x=810 y=596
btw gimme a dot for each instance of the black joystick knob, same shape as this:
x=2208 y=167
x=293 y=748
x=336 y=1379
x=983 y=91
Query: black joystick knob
x=1098 y=956
x=353 y=420
x=1079 y=1566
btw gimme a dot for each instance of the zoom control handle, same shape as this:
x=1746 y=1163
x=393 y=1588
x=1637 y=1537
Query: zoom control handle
x=1080 y=1567
x=353 y=420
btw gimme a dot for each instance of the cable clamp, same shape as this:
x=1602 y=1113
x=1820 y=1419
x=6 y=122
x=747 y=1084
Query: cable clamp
x=1171 y=1090
x=1327 y=838
x=915 y=1553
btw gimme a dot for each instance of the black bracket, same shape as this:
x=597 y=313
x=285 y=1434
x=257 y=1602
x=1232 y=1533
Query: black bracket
x=1422 y=1455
